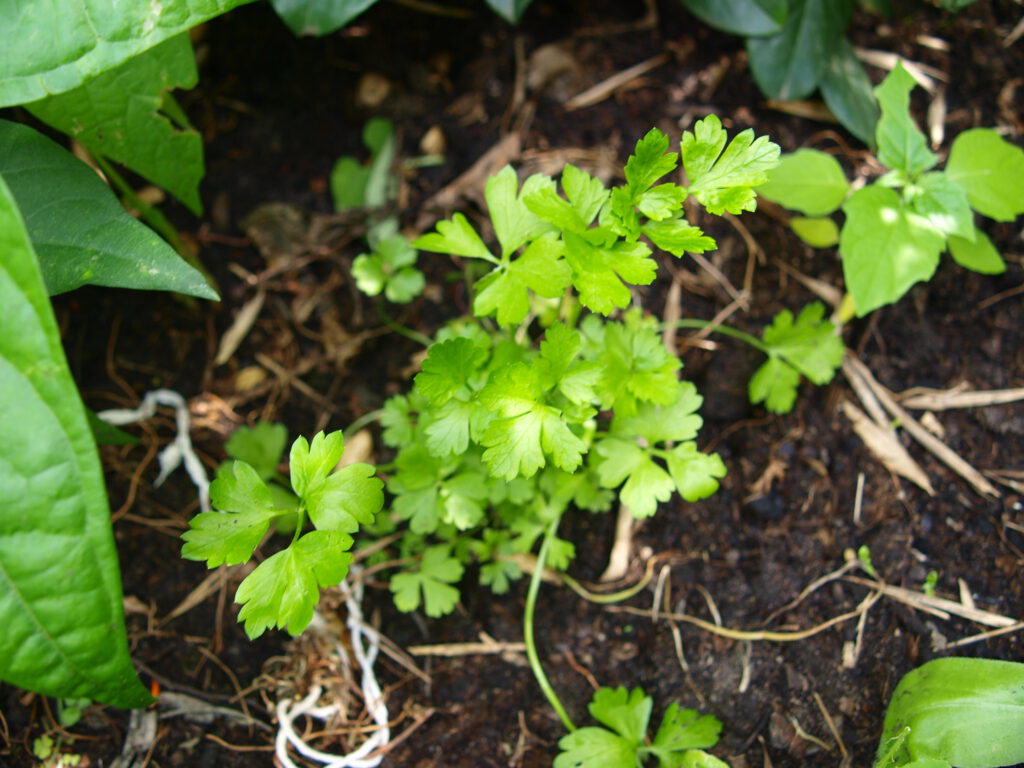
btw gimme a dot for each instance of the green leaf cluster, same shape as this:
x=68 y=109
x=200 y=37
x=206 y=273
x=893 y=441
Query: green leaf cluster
x=896 y=229
x=622 y=741
x=283 y=590
x=322 y=17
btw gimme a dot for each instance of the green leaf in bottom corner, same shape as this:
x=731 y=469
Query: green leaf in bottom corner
x=60 y=585
x=885 y=247
x=595 y=748
x=284 y=588
x=979 y=255
x=118 y=115
x=318 y=17
x=79 y=230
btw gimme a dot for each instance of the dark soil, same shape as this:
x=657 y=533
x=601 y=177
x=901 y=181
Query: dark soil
x=277 y=111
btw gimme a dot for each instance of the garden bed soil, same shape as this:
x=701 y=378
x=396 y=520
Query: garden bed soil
x=802 y=489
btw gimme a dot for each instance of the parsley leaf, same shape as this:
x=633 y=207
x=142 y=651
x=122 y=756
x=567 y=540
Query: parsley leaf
x=284 y=588
x=456 y=237
x=389 y=268
x=646 y=483
x=260 y=446
x=310 y=462
x=345 y=498
x=448 y=370
x=602 y=269
x=540 y=269
x=724 y=180
x=635 y=367
x=695 y=474
x=677 y=236
x=433 y=580
x=514 y=223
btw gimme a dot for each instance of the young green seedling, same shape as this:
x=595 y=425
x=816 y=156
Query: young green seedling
x=897 y=228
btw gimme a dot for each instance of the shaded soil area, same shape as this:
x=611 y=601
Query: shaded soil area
x=802 y=489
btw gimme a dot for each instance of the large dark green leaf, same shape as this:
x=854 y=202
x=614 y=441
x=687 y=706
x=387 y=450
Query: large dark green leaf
x=52 y=46
x=60 y=589
x=117 y=115
x=318 y=17
x=80 y=232
x=511 y=10
x=741 y=17
x=848 y=92
x=790 y=64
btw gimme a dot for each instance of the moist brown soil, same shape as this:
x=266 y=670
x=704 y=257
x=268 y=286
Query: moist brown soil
x=276 y=112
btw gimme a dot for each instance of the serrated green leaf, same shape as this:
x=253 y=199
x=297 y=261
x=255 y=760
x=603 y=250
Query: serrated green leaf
x=978 y=255
x=602 y=272
x=350 y=497
x=626 y=712
x=816 y=232
x=319 y=17
x=675 y=421
x=662 y=201
x=901 y=145
x=515 y=224
x=368 y=270
x=774 y=384
x=430 y=584
x=677 y=236
x=586 y=193
x=595 y=748
x=456 y=237
x=636 y=368
x=789 y=64
x=238 y=487
x=944 y=203
x=808 y=181
x=646 y=483
x=809 y=343
x=886 y=247
x=53 y=49
x=226 y=537
x=989 y=169
x=649 y=162
x=60 y=586
x=505 y=291
x=683 y=729
x=285 y=588
x=118 y=115
x=723 y=179
x=309 y=463
x=261 y=446
x=81 y=233
x=848 y=92
x=448 y=370
x=396 y=421
x=449 y=428
x=695 y=474
x=741 y=17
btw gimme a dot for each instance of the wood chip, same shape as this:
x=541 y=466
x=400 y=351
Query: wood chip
x=606 y=88
x=886 y=447
x=957 y=397
x=240 y=328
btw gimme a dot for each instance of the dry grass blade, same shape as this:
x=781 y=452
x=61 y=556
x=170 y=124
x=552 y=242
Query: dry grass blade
x=240 y=328
x=935 y=605
x=853 y=366
x=886 y=447
x=606 y=88
x=924 y=75
x=944 y=400
x=487 y=645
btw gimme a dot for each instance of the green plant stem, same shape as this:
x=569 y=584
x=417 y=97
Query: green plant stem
x=401 y=330
x=726 y=330
x=361 y=422
x=300 y=522
x=531 y=646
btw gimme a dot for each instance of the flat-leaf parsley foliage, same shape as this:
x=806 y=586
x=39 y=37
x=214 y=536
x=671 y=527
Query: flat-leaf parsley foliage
x=679 y=742
x=284 y=589
x=502 y=431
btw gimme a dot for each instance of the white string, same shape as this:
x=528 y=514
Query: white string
x=365 y=655
x=178 y=451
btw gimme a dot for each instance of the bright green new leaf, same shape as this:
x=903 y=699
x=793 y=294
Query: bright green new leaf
x=978 y=255
x=118 y=115
x=515 y=224
x=886 y=247
x=348 y=183
x=60 y=586
x=602 y=272
x=396 y=421
x=319 y=17
x=967 y=712
x=901 y=145
x=790 y=64
x=939 y=199
x=239 y=488
x=809 y=343
x=808 y=181
x=449 y=369
x=625 y=712
x=695 y=474
x=989 y=169
x=261 y=446
x=635 y=368
x=505 y=291
x=389 y=269
x=309 y=463
x=662 y=201
x=816 y=232
x=525 y=429
x=448 y=432
x=586 y=193
x=646 y=483
x=741 y=17
x=594 y=747
x=430 y=585
x=683 y=729
x=52 y=49
x=774 y=384
x=345 y=499
x=456 y=237
x=724 y=180
x=226 y=537
x=677 y=236
x=673 y=422
x=285 y=588
x=649 y=162
x=80 y=231
x=849 y=93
